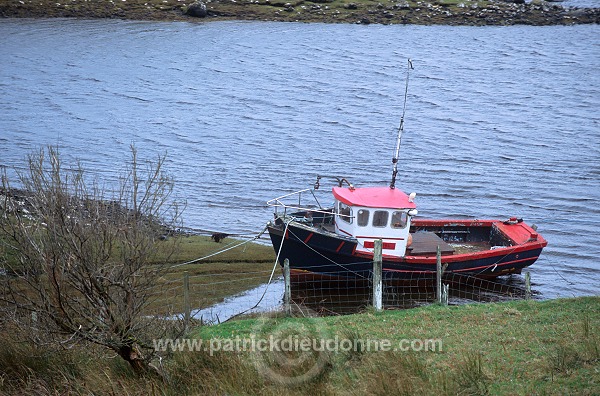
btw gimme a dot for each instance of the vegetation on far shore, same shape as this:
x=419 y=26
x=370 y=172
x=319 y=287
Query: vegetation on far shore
x=516 y=348
x=421 y=12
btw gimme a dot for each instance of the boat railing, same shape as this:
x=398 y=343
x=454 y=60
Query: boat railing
x=278 y=203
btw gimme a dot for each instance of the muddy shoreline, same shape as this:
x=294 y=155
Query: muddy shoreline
x=436 y=12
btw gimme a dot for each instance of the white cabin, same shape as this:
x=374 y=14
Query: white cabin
x=372 y=213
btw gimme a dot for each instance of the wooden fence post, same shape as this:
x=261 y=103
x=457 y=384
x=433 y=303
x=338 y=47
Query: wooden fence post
x=527 y=285
x=187 y=310
x=287 y=294
x=440 y=289
x=438 y=275
x=377 y=275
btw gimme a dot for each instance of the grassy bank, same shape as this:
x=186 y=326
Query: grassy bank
x=446 y=12
x=534 y=348
x=211 y=280
x=214 y=278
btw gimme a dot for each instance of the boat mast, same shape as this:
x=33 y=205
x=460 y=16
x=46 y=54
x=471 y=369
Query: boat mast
x=400 y=130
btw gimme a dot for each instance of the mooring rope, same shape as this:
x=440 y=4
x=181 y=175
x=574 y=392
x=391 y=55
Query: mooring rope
x=221 y=251
x=272 y=273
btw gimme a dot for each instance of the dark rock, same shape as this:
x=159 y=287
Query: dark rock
x=218 y=236
x=351 y=6
x=197 y=9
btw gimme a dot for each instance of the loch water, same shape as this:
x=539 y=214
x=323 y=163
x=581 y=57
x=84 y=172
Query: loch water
x=500 y=121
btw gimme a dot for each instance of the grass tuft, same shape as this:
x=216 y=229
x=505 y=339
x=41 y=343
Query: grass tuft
x=470 y=376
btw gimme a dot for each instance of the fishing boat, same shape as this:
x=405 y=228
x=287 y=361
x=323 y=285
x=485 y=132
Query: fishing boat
x=338 y=242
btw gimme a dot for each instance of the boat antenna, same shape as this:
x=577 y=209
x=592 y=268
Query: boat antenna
x=400 y=129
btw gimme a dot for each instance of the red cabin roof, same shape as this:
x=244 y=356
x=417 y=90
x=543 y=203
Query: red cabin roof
x=373 y=197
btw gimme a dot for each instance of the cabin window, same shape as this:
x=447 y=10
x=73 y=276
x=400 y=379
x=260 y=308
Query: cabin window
x=362 y=218
x=380 y=218
x=399 y=219
x=345 y=212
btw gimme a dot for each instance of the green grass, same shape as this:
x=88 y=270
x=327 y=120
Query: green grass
x=508 y=348
x=517 y=348
x=193 y=247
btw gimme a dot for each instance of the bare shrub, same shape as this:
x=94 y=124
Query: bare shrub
x=79 y=263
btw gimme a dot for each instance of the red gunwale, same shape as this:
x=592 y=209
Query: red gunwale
x=519 y=233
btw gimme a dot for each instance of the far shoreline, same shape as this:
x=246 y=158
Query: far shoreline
x=405 y=12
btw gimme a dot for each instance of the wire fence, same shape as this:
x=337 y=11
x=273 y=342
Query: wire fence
x=330 y=295
x=324 y=294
